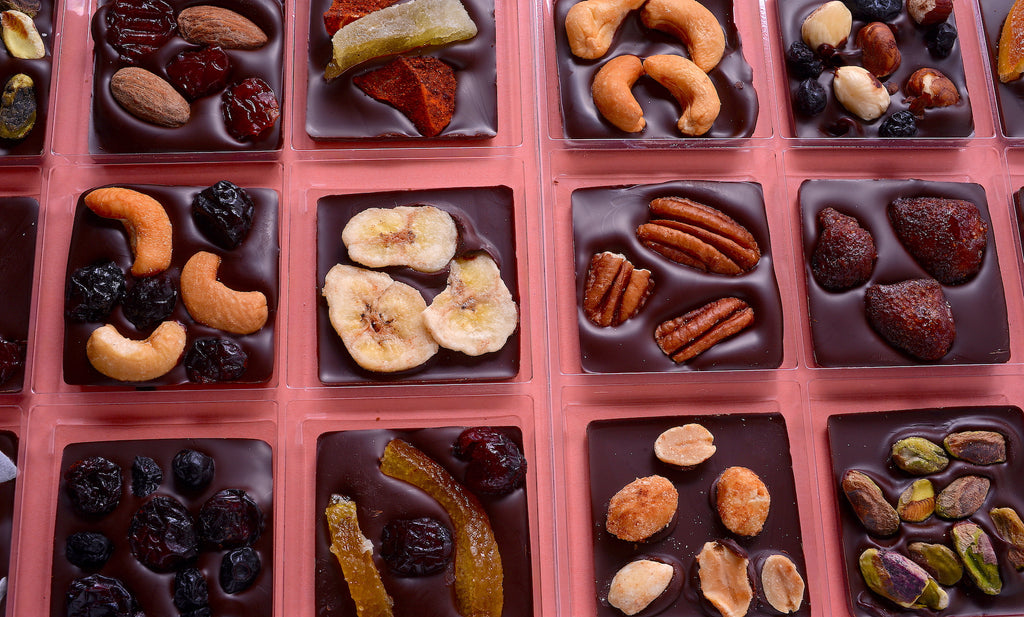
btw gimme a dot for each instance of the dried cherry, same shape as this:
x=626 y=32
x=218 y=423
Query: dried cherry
x=192 y=469
x=150 y=301
x=230 y=519
x=190 y=590
x=496 y=465
x=88 y=550
x=100 y=596
x=93 y=292
x=416 y=546
x=213 y=359
x=199 y=72
x=239 y=569
x=224 y=213
x=250 y=108
x=94 y=485
x=162 y=535
x=12 y=357
x=146 y=476
x=138 y=28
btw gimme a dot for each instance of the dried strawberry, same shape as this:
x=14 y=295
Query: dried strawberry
x=138 y=28
x=250 y=108
x=423 y=89
x=845 y=253
x=946 y=236
x=199 y=72
x=912 y=316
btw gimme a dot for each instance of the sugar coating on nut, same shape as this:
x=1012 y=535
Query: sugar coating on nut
x=146 y=221
x=724 y=581
x=742 y=500
x=685 y=446
x=638 y=584
x=782 y=584
x=212 y=303
x=642 y=508
x=125 y=359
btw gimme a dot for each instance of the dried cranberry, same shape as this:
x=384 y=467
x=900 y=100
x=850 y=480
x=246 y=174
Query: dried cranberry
x=88 y=550
x=192 y=469
x=224 y=213
x=190 y=590
x=199 y=72
x=210 y=360
x=239 y=569
x=250 y=108
x=416 y=546
x=12 y=357
x=230 y=519
x=100 y=596
x=162 y=535
x=496 y=465
x=138 y=28
x=94 y=485
x=150 y=301
x=146 y=476
x=93 y=291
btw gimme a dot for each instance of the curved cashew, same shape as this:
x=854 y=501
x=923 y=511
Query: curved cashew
x=212 y=303
x=612 y=94
x=125 y=359
x=693 y=24
x=691 y=87
x=591 y=25
x=149 y=228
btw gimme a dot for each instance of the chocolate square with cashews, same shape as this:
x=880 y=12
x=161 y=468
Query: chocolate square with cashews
x=18 y=227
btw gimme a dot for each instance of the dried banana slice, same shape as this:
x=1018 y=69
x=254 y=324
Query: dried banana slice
x=423 y=238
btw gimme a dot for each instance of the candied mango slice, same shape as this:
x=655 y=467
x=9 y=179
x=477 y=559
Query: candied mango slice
x=1011 y=44
x=398 y=29
x=478 y=573
x=355 y=554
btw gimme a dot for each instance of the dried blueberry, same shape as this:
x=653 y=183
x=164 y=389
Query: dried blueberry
x=416 y=546
x=100 y=596
x=192 y=469
x=162 y=535
x=802 y=62
x=212 y=359
x=88 y=550
x=496 y=465
x=146 y=476
x=875 y=10
x=810 y=98
x=93 y=291
x=224 y=213
x=940 y=40
x=239 y=569
x=900 y=124
x=190 y=590
x=12 y=357
x=94 y=485
x=150 y=301
x=230 y=519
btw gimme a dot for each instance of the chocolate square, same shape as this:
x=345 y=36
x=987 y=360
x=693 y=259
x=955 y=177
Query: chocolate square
x=863 y=441
x=19 y=217
x=39 y=70
x=839 y=328
x=606 y=218
x=486 y=222
x=348 y=464
x=1009 y=96
x=253 y=266
x=621 y=451
x=9 y=446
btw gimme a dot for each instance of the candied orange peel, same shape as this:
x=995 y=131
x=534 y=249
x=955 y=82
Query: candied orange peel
x=1010 y=59
x=355 y=554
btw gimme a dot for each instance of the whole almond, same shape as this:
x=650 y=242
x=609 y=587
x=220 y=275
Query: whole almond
x=213 y=25
x=148 y=97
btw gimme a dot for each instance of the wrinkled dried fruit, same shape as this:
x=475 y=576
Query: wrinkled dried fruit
x=349 y=545
x=422 y=88
x=88 y=550
x=416 y=546
x=93 y=292
x=193 y=470
x=162 y=535
x=742 y=501
x=893 y=576
x=946 y=236
x=146 y=476
x=1010 y=529
x=978 y=447
x=802 y=62
x=100 y=595
x=912 y=316
x=150 y=301
x=250 y=108
x=230 y=519
x=212 y=360
x=239 y=569
x=637 y=584
x=724 y=581
x=199 y=72
x=962 y=498
x=782 y=584
x=917 y=503
x=642 y=508
x=919 y=456
x=224 y=213
x=940 y=40
x=845 y=253
x=138 y=28
x=496 y=464
x=901 y=123
x=869 y=504
x=938 y=560
x=17 y=107
x=979 y=558
x=93 y=485
x=685 y=446
x=190 y=590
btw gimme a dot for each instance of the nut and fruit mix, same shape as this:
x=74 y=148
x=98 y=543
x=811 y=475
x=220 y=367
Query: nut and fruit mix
x=26 y=56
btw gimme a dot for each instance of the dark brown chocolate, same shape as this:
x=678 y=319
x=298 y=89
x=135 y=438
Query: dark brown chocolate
x=9 y=446
x=1010 y=96
x=840 y=331
x=733 y=79
x=954 y=121
x=623 y=450
x=606 y=218
x=114 y=130
x=253 y=266
x=347 y=464
x=337 y=109
x=18 y=226
x=245 y=464
x=39 y=70
x=863 y=441
x=485 y=220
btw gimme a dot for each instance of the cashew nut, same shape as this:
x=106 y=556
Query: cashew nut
x=612 y=94
x=125 y=359
x=149 y=228
x=591 y=25
x=693 y=24
x=691 y=87
x=212 y=303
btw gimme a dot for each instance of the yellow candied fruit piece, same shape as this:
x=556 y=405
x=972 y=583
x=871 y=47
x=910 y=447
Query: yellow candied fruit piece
x=355 y=554
x=478 y=573
x=1010 y=59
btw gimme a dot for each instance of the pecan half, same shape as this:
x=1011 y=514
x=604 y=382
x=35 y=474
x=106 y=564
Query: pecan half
x=686 y=337
x=699 y=236
x=614 y=290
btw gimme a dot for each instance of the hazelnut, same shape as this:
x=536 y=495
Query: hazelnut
x=642 y=508
x=829 y=24
x=930 y=88
x=860 y=92
x=928 y=12
x=880 y=54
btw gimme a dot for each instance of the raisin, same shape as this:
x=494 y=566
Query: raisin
x=138 y=28
x=199 y=72
x=162 y=535
x=190 y=590
x=94 y=485
x=496 y=465
x=88 y=550
x=224 y=213
x=146 y=476
x=940 y=40
x=239 y=569
x=12 y=357
x=150 y=301
x=875 y=10
x=900 y=124
x=192 y=469
x=93 y=292
x=230 y=519
x=810 y=98
x=100 y=596
x=802 y=62
x=212 y=359
x=416 y=546
x=250 y=108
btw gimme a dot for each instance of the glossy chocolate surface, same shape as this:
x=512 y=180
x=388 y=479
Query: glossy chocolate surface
x=347 y=464
x=114 y=130
x=245 y=464
x=863 y=441
x=606 y=218
x=19 y=217
x=337 y=109
x=39 y=70
x=623 y=450
x=9 y=446
x=485 y=220
x=1010 y=96
x=839 y=328
x=253 y=266
x=733 y=79
x=954 y=121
